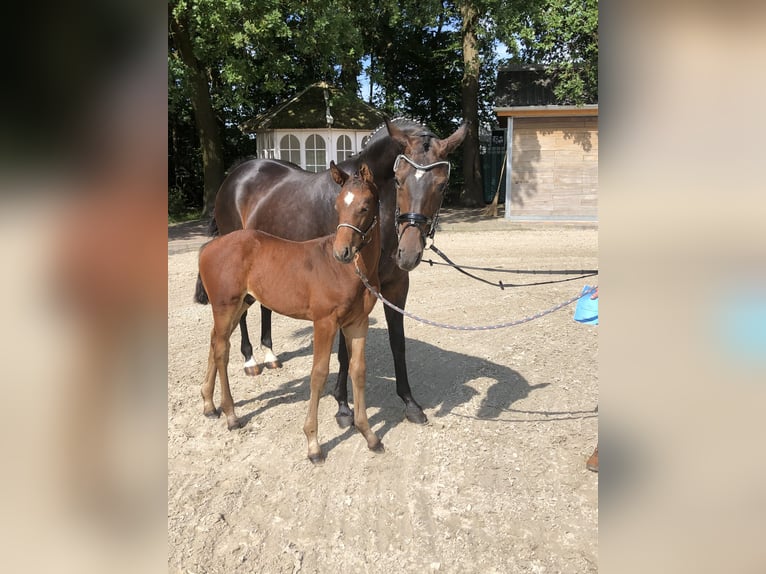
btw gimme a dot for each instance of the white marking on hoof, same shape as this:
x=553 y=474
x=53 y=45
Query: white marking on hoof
x=250 y=362
x=349 y=199
x=269 y=357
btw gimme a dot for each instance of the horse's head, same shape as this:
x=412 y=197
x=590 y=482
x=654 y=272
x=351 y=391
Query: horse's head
x=357 y=207
x=421 y=174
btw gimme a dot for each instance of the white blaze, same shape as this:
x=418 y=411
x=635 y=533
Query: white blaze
x=419 y=173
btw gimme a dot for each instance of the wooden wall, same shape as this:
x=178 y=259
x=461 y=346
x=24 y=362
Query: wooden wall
x=555 y=168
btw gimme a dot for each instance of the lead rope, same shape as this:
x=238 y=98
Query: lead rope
x=468 y=327
x=462 y=269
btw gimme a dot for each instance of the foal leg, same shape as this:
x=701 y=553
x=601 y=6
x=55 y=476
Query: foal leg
x=397 y=294
x=324 y=334
x=208 y=407
x=224 y=320
x=356 y=336
x=344 y=416
x=270 y=359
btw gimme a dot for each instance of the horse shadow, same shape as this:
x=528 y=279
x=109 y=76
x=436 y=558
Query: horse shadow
x=441 y=382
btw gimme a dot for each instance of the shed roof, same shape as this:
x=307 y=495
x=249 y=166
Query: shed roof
x=524 y=85
x=519 y=85
x=318 y=106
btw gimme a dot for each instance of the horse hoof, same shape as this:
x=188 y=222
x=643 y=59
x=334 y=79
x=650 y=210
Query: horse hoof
x=378 y=447
x=274 y=364
x=344 y=420
x=317 y=458
x=253 y=371
x=415 y=415
x=214 y=414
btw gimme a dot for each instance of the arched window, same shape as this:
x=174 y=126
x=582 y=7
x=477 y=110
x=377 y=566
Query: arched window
x=343 y=148
x=316 y=155
x=290 y=149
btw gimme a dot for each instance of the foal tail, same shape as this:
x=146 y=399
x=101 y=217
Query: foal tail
x=200 y=295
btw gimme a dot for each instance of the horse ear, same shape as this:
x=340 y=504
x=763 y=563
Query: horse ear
x=338 y=174
x=449 y=144
x=365 y=173
x=396 y=133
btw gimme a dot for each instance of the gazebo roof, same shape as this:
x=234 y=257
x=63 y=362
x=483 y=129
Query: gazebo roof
x=318 y=106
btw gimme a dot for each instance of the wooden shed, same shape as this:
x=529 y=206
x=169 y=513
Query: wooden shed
x=551 y=163
x=319 y=124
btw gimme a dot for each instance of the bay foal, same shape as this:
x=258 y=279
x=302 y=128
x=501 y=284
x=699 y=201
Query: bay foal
x=309 y=280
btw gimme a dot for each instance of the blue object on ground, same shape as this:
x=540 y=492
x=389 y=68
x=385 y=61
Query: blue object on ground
x=587 y=309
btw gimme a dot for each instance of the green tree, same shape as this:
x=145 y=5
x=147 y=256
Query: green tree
x=232 y=59
x=562 y=35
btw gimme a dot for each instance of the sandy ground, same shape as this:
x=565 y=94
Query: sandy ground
x=495 y=482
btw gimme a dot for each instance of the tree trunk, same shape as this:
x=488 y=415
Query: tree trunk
x=204 y=116
x=472 y=194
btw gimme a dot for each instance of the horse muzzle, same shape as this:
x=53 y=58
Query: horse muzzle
x=410 y=250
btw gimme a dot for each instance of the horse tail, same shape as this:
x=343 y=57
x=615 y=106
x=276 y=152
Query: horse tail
x=212 y=227
x=200 y=295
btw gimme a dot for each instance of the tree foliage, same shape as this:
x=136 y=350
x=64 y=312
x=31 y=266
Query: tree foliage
x=563 y=36
x=249 y=56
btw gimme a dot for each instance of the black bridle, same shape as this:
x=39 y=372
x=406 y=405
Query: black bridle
x=417 y=220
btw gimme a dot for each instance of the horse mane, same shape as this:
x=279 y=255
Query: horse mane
x=409 y=126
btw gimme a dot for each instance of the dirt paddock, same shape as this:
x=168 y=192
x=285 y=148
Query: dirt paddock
x=495 y=482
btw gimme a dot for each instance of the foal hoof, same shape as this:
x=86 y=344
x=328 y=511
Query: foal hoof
x=378 y=447
x=214 y=414
x=274 y=364
x=415 y=415
x=317 y=458
x=234 y=425
x=253 y=371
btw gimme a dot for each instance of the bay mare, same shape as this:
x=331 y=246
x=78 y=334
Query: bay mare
x=310 y=280
x=409 y=168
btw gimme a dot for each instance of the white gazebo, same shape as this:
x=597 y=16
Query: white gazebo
x=319 y=124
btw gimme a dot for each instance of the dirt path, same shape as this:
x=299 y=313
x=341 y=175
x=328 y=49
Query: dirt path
x=496 y=481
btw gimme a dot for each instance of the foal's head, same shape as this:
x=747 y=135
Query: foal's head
x=357 y=207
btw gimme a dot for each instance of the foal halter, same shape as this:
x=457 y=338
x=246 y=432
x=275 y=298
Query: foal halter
x=373 y=223
x=417 y=219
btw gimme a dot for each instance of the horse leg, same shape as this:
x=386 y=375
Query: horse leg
x=356 y=336
x=324 y=334
x=251 y=367
x=397 y=294
x=345 y=415
x=270 y=359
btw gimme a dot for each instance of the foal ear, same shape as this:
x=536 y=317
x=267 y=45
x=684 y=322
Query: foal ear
x=448 y=145
x=365 y=173
x=338 y=174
